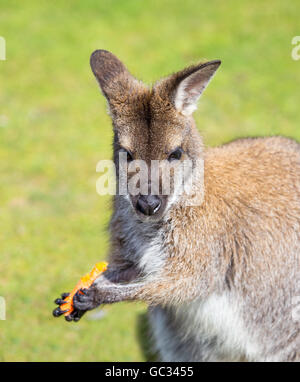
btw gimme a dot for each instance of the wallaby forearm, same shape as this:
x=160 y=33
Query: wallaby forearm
x=161 y=288
x=107 y=289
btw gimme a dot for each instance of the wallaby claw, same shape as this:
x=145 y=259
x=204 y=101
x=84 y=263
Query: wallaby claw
x=59 y=301
x=58 y=312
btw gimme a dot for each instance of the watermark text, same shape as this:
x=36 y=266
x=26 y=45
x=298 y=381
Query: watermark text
x=2 y=308
x=296 y=49
x=2 y=49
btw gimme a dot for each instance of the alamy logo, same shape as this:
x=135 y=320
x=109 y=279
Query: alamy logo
x=296 y=49
x=2 y=308
x=2 y=49
x=160 y=177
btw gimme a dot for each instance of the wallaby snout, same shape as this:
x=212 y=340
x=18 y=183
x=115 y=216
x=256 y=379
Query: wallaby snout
x=149 y=207
x=148 y=204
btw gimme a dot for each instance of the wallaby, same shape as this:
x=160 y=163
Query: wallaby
x=220 y=277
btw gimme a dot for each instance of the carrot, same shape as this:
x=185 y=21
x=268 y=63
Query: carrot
x=85 y=282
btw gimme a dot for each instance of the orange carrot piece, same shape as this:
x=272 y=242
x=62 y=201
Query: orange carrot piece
x=85 y=282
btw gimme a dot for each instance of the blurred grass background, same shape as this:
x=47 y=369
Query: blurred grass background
x=54 y=129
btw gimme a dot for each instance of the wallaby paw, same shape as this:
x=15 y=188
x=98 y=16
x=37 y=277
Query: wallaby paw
x=85 y=299
x=74 y=315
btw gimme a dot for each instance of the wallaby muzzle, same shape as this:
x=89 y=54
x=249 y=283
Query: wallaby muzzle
x=148 y=204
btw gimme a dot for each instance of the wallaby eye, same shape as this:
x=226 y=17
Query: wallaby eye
x=176 y=154
x=129 y=155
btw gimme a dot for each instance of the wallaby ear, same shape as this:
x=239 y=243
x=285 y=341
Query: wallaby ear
x=189 y=85
x=111 y=73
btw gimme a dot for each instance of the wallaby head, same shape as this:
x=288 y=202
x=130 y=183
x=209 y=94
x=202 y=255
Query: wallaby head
x=152 y=124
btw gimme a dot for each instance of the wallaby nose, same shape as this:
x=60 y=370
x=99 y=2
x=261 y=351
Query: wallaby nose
x=148 y=204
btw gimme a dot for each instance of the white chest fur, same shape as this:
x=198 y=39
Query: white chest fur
x=143 y=244
x=219 y=317
x=151 y=257
x=210 y=330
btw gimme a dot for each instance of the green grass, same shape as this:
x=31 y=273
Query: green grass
x=54 y=129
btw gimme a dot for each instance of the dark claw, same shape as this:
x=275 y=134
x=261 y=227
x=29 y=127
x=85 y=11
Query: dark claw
x=64 y=295
x=59 y=301
x=57 y=312
x=75 y=315
x=68 y=318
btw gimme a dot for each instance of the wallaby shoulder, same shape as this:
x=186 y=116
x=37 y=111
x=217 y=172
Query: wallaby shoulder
x=254 y=166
